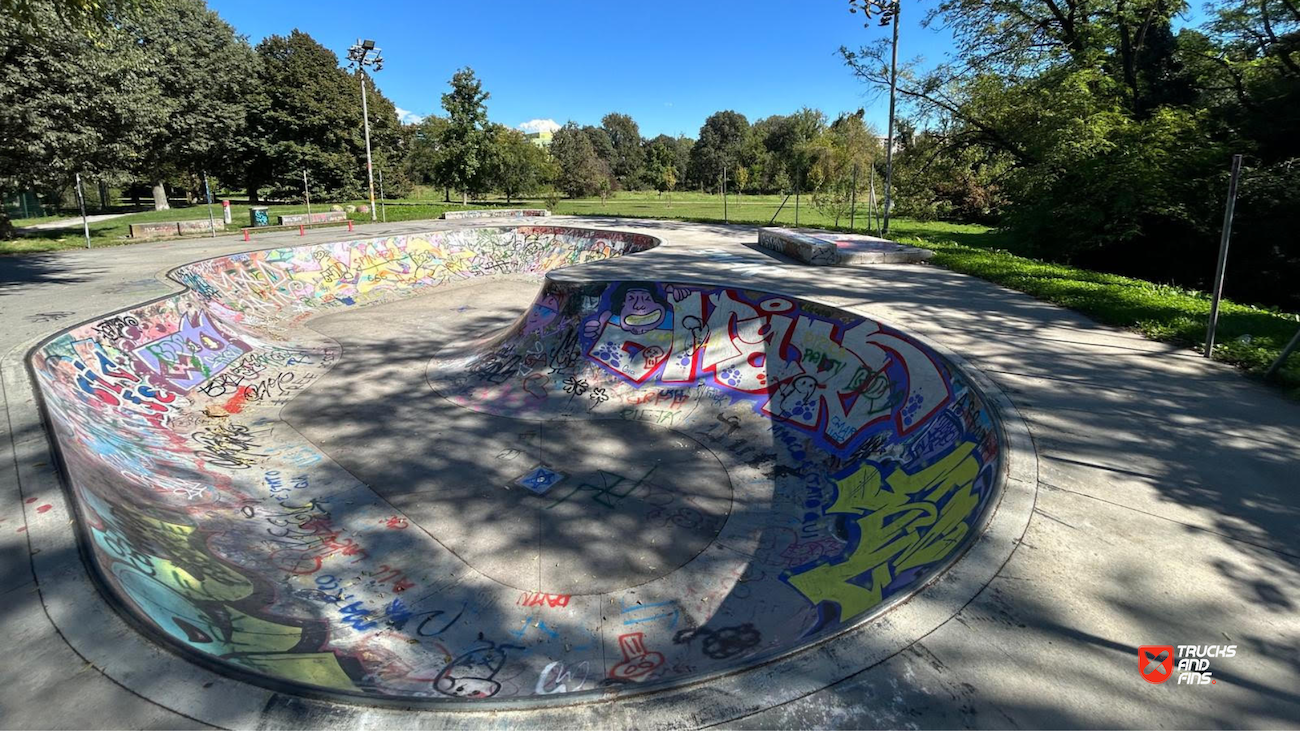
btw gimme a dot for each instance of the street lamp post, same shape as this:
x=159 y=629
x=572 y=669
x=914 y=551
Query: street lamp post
x=361 y=55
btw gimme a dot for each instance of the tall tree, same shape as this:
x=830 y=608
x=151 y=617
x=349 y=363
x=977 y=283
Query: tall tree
x=158 y=95
x=305 y=114
x=720 y=143
x=201 y=67
x=518 y=167
x=465 y=141
x=425 y=153
x=68 y=103
x=580 y=170
x=600 y=144
x=792 y=143
x=628 y=157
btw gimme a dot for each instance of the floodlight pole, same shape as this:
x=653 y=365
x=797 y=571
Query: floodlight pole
x=359 y=55
x=889 y=152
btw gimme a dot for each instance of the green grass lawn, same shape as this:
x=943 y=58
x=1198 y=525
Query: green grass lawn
x=1249 y=337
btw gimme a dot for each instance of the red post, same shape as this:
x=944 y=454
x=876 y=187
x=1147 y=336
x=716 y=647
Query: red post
x=246 y=234
x=301 y=230
x=349 y=224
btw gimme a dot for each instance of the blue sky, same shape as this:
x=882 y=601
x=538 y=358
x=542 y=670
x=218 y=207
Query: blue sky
x=667 y=63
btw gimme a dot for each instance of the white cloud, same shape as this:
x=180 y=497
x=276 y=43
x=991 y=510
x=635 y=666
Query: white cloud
x=540 y=125
x=407 y=116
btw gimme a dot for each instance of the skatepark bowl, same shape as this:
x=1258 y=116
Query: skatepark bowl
x=336 y=470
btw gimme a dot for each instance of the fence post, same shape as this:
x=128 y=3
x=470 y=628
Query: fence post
x=853 y=198
x=1286 y=353
x=207 y=193
x=306 y=193
x=1222 y=267
x=81 y=202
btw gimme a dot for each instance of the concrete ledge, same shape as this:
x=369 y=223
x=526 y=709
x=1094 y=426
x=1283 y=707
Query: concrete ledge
x=295 y=219
x=828 y=248
x=165 y=229
x=497 y=213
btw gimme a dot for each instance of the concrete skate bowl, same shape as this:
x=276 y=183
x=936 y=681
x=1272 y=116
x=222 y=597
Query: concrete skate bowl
x=672 y=481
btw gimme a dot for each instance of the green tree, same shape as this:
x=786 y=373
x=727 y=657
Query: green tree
x=628 y=155
x=518 y=166
x=793 y=142
x=741 y=179
x=69 y=104
x=465 y=141
x=719 y=145
x=580 y=170
x=843 y=158
x=601 y=144
x=425 y=153
x=200 y=66
x=156 y=95
x=305 y=114
x=89 y=17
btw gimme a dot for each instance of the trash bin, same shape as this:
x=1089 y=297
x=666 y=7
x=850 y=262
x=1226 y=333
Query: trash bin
x=259 y=216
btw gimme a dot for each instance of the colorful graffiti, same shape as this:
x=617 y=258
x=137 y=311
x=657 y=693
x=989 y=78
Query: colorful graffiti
x=231 y=535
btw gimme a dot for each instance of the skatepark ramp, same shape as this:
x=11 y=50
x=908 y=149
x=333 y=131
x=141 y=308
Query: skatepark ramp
x=669 y=480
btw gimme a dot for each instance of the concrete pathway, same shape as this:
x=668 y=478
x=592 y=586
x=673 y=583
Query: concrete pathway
x=74 y=222
x=1165 y=514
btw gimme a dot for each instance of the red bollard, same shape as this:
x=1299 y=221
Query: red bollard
x=349 y=224
x=246 y=234
x=301 y=230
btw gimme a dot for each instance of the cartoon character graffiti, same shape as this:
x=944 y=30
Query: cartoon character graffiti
x=541 y=315
x=471 y=674
x=635 y=334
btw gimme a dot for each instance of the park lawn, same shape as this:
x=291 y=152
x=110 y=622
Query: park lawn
x=1249 y=337
x=117 y=231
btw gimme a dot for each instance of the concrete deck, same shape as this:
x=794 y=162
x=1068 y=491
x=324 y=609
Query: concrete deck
x=1164 y=514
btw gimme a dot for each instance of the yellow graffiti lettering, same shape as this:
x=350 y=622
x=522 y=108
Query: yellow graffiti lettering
x=910 y=503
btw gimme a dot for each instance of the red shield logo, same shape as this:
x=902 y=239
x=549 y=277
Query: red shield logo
x=1156 y=662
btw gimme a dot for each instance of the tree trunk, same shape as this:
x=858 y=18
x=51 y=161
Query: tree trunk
x=160 y=197
x=103 y=196
x=446 y=194
x=252 y=195
x=464 y=197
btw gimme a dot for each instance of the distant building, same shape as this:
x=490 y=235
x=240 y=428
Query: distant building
x=542 y=138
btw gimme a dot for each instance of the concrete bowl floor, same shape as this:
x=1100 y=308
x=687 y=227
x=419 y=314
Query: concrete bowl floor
x=458 y=474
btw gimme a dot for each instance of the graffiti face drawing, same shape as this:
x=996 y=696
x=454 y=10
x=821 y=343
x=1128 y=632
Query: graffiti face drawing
x=640 y=310
x=542 y=314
